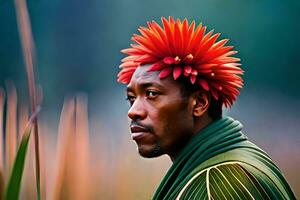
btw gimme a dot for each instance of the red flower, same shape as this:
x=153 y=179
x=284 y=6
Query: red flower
x=181 y=49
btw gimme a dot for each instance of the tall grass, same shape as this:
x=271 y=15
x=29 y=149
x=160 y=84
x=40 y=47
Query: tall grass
x=65 y=168
x=73 y=167
x=24 y=26
x=2 y=99
x=11 y=132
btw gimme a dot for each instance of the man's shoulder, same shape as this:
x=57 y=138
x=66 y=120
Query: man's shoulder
x=230 y=180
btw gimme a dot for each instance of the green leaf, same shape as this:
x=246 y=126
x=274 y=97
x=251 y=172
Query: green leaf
x=229 y=180
x=1 y=185
x=14 y=183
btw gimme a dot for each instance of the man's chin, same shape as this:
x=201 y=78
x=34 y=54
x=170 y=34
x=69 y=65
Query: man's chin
x=150 y=153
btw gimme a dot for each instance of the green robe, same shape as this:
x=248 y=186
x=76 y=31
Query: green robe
x=220 y=163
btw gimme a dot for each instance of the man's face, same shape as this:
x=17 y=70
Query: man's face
x=161 y=118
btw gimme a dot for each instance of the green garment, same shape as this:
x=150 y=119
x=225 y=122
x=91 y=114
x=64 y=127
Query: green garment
x=220 y=163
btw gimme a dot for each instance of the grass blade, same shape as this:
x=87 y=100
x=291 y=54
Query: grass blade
x=1 y=185
x=14 y=183
x=11 y=128
x=24 y=27
x=2 y=100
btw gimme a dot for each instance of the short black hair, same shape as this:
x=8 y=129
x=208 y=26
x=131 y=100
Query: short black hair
x=187 y=88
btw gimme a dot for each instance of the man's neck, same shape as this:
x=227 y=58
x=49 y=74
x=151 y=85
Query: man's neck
x=200 y=124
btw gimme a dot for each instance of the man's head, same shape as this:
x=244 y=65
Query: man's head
x=196 y=74
x=164 y=115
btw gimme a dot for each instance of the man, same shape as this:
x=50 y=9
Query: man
x=178 y=78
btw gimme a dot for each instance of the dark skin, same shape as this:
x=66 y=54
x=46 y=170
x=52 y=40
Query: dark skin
x=163 y=120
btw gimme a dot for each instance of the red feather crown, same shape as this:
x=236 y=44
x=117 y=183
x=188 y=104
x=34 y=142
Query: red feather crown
x=181 y=49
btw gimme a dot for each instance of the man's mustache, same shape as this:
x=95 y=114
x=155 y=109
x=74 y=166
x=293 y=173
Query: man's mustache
x=149 y=128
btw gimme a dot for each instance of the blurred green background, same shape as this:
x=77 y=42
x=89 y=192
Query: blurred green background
x=78 y=47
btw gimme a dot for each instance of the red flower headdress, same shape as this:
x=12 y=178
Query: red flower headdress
x=180 y=49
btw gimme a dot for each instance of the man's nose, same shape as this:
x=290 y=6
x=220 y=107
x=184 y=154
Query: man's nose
x=137 y=110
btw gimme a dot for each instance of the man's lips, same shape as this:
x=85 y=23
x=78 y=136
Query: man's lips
x=138 y=132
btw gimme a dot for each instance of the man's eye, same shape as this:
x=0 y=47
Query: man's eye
x=151 y=93
x=130 y=99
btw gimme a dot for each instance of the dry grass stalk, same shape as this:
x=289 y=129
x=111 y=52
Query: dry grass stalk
x=2 y=100
x=11 y=130
x=28 y=180
x=28 y=52
x=28 y=186
x=72 y=173
x=1 y=186
x=43 y=164
x=82 y=150
x=65 y=138
x=23 y=117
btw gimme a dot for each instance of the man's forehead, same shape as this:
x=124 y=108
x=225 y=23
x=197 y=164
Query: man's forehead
x=143 y=73
x=142 y=76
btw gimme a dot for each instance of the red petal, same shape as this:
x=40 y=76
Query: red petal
x=185 y=36
x=128 y=69
x=171 y=20
x=197 y=38
x=214 y=53
x=147 y=44
x=129 y=58
x=220 y=44
x=216 y=85
x=230 y=53
x=206 y=44
x=146 y=59
x=204 y=84
x=204 y=71
x=194 y=72
x=214 y=94
x=168 y=33
x=156 y=66
x=193 y=79
x=187 y=69
x=206 y=66
x=169 y=60
x=177 y=40
x=132 y=51
x=155 y=39
x=128 y=64
x=165 y=72
x=190 y=35
x=124 y=77
x=177 y=72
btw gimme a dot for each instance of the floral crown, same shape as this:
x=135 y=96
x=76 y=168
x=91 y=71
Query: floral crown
x=181 y=49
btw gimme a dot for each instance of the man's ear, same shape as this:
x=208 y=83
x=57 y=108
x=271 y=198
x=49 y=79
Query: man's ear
x=201 y=103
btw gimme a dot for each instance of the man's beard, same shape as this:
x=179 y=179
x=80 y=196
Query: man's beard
x=155 y=152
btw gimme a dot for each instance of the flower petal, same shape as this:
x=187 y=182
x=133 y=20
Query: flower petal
x=177 y=72
x=156 y=66
x=169 y=60
x=165 y=72
x=204 y=84
x=193 y=79
x=187 y=69
x=214 y=94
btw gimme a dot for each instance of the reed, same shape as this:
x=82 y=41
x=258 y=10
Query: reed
x=73 y=152
x=2 y=99
x=28 y=54
x=11 y=132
